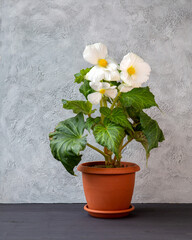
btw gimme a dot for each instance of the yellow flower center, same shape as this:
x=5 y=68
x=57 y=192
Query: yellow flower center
x=131 y=70
x=102 y=91
x=102 y=63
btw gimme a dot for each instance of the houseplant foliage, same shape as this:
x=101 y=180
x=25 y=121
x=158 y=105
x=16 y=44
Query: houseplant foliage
x=121 y=117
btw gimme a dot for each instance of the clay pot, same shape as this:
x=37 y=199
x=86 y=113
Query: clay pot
x=108 y=191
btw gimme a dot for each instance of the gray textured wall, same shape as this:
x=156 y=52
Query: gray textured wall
x=41 y=48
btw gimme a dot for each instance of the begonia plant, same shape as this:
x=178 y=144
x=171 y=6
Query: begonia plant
x=117 y=89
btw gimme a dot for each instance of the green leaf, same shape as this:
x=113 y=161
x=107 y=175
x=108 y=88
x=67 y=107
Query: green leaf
x=79 y=77
x=140 y=137
x=133 y=114
x=114 y=83
x=67 y=141
x=105 y=111
x=91 y=122
x=151 y=130
x=69 y=161
x=117 y=115
x=138 y=98
x=85 y=89
x=78 y=106
x=109 y=135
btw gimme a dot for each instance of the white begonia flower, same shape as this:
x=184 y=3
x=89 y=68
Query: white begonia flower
x=134 y=71
x=101 y=89
x=105 y=68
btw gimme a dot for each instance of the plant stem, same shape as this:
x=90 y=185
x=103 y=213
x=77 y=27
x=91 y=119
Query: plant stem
x=101 y=105
x=104 y=102
x=125 y=144
x=96 y=149
x=115 y=100
x=116 y=161
x=109 y=154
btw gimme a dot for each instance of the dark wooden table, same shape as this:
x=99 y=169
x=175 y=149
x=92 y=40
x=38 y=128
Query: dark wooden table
x=69 y=221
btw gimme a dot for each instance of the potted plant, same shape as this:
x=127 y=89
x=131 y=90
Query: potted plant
x=108 y=184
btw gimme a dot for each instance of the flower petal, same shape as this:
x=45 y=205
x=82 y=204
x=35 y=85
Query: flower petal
x=113 y=87
x=105 y=85
x=125 y=87
x=112 y=65
x=96 y=74
x=130 y=80
x=141 y=73
x=112 y=93
x=95 y=98
x=143 y=69
x=111 y=75
x=128 y=60
x=96 y=85
x=125 y=77
x=94 y=52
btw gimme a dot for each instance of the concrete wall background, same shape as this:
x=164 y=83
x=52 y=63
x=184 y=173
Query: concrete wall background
x=41 y=48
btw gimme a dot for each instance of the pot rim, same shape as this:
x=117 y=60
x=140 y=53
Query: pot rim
x=86 y=168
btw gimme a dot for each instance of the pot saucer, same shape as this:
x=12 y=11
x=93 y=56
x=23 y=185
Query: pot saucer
x=109 y=214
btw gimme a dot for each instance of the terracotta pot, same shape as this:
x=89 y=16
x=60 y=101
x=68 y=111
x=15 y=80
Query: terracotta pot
x=108 y=191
